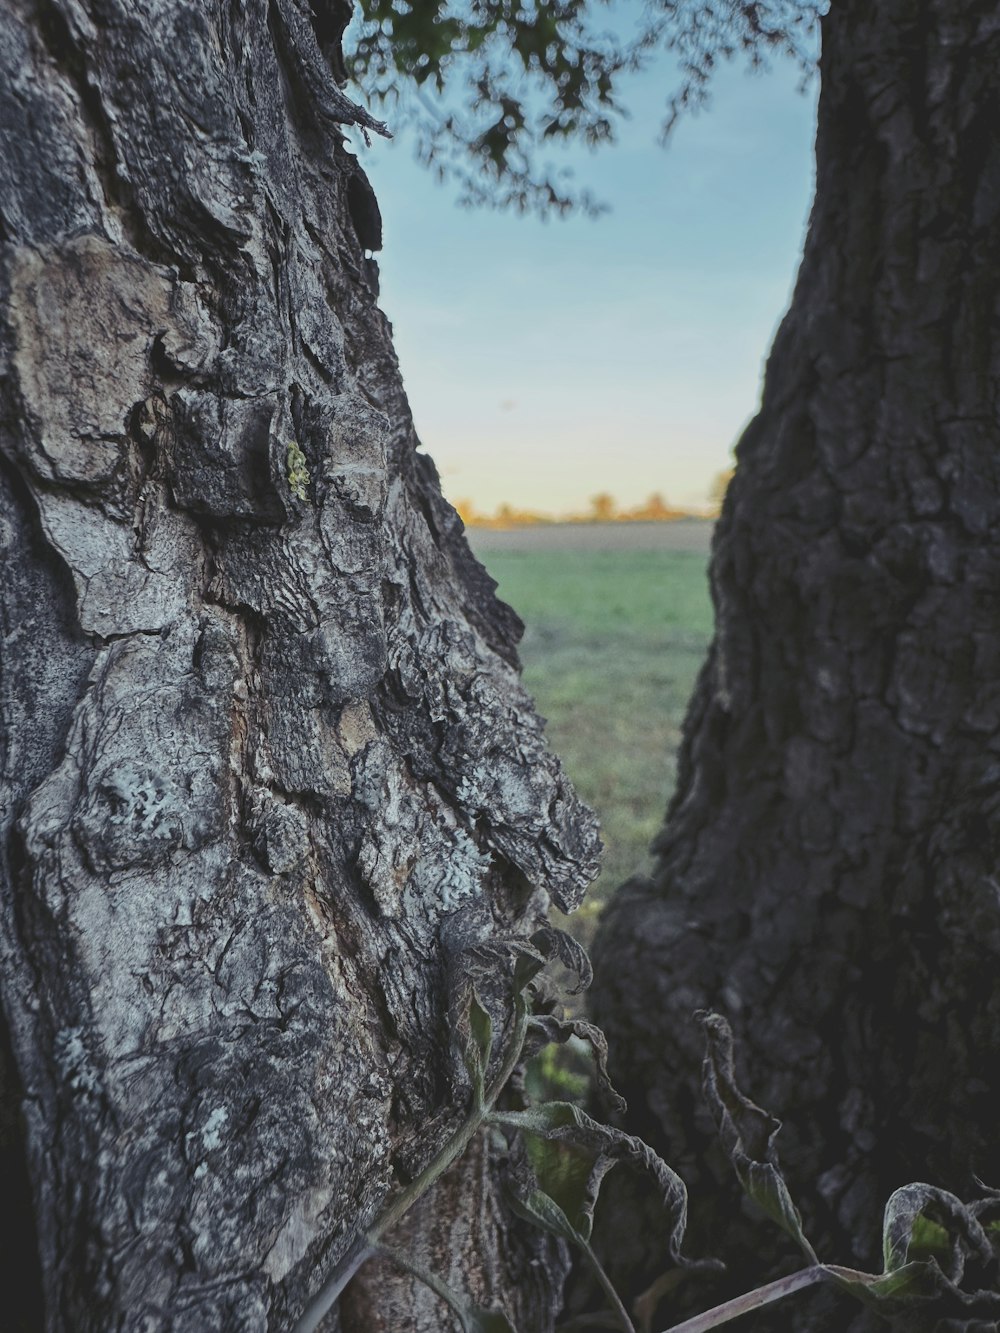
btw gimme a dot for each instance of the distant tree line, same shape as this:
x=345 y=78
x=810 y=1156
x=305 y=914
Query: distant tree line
x=604 y=508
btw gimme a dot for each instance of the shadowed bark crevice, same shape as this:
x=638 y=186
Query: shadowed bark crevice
x=20 y=1270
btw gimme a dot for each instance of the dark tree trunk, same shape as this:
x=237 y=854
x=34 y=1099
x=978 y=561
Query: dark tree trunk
x=267 y=772
x=827 y=873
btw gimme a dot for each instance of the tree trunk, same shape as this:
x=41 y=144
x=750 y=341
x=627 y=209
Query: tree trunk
x=826 y=875
x=268 y=776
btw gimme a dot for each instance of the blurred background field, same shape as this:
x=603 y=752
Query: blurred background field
x=618 y=621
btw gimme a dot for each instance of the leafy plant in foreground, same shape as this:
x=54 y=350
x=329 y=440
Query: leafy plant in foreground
x=932 y=1241
x=568 y=1153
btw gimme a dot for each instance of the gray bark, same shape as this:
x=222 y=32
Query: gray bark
x=267 y=774
x=449 y=1231
x=827 y=872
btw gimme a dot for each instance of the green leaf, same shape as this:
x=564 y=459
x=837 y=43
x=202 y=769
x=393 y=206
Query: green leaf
x=567 y=1170
x=929 y=1240
x=915 y=1281
x=538 y=1207
x=489 y=955
x=567 y=1176
x=558 y=944
x=747 y=1133
x=528 y=962
x=918 y=1213
x=573 y=1176
x=922 y=1281
x=547 y=1028
x=918 y=1217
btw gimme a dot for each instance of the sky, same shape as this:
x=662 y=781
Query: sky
x=549 y=361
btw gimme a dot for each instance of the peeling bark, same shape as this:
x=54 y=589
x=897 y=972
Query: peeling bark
x=826 y=873
x=268 y=772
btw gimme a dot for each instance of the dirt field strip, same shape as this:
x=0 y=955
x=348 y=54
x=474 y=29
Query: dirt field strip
x=682 y=534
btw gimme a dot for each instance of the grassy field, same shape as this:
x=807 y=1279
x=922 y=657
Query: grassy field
x=617 y=626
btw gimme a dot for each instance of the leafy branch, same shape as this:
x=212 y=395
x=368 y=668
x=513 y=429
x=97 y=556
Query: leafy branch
x=487 y=87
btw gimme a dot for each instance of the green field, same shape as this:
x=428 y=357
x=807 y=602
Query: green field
x=613 y=643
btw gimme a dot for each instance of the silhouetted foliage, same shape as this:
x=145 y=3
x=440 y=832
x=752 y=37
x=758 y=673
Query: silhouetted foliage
x=487 y=86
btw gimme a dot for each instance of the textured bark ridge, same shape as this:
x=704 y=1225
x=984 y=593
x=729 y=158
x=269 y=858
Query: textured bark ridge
x=827 y=872
x=448 y=1232
x=268 y=771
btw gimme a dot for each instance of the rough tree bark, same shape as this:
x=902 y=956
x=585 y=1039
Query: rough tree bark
x=826 y=875
x=267 y=772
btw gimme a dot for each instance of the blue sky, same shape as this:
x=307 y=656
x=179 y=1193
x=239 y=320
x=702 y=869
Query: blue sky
x=548 y=361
